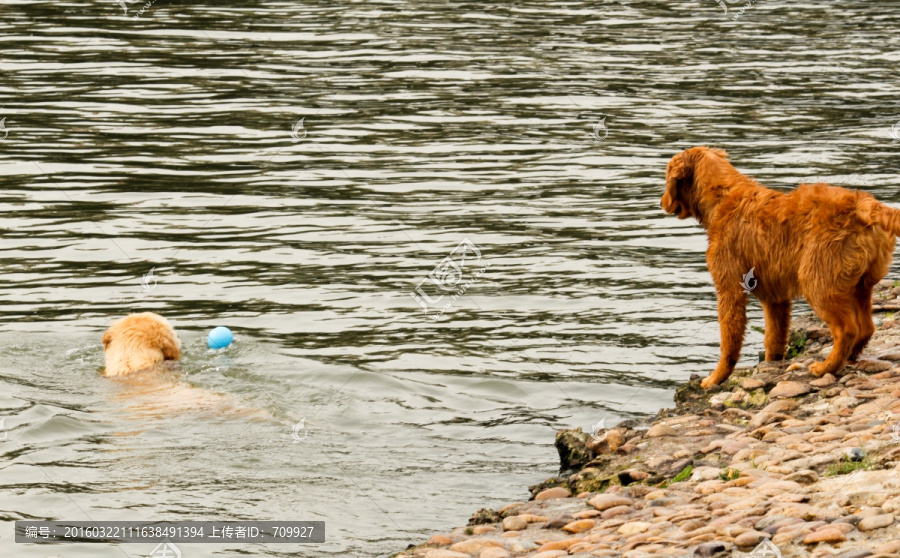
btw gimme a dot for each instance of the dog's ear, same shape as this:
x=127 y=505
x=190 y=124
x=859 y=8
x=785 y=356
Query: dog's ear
x=107 y=339
x=679 y=173
x=171 y=347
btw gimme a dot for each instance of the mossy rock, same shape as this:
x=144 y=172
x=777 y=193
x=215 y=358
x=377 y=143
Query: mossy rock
x=591 y=480
x=574 y=453
x=689 y=391
x=758 y=398
x=485 y=515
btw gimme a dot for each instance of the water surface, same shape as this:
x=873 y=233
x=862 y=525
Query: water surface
x=536 y=132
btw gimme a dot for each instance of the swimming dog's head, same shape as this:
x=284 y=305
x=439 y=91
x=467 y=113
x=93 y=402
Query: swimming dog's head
x=139 y=341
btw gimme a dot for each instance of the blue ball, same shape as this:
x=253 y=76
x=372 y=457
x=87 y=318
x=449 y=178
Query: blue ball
x=219 y=338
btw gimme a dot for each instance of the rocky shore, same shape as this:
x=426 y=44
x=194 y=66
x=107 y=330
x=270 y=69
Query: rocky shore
x=774 y=462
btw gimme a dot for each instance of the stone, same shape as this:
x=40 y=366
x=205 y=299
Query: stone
x=439 y=540
x=487 y=515
x=472 y=546
x=634 y=527
x=762 y=419
x=824 y=381
x=661 y=430
x=630 y=476
x=559 y=522
x=892 y=505
x=553 y=493
x=751 y=384
x=563 y=544
x=788 y=388
x=707 y=550
x=750 y=538
x=571 y=445
x=494 y=552
x=550 y=554
x=873 y=365
x=892 y=547
x=856 y=454
x=781 y=406
x=442 y=553
x=855 y=553
x=613 y=512
x=579 y=526
x=514 y=523
x=523 y=546
x=608 y=442
x=826 y=534
x=818 y=333
x=603 y=502
x=805 y=476
x=876 y=522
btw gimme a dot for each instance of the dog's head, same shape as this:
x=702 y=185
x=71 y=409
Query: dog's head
x=684 y=191
x=144 y=330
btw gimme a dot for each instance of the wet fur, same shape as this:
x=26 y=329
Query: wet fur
x=827 y=244
x=139 y=341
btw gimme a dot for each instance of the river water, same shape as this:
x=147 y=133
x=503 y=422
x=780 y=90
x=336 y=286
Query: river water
x=296 y=171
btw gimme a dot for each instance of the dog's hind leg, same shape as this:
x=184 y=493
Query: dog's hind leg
x=732 y=323
x=778 y=321
x=839 y=311
x=863 y=318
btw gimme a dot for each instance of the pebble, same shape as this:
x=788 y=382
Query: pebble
x=751 y=384
x=855 y=553
x=442 y=553
x=579 y=526
x=551 y=493
x=751 y=538
x=439 y=540
x=660 y=430
x=874 y=365
x=892 y=547
x=828 y=534
x=855 y=454
x=559 y=522
x=611 y=441
x=781 y=406
x=707 y=550
x=605 y=501
x=523 y=546
x=634 y=527
x=789 y=388
x=804 y=476
x=876 y=522
x=824 y=381
x=471 y=546
x=514 y=523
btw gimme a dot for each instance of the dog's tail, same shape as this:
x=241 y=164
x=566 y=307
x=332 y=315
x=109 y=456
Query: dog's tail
x=873 y=212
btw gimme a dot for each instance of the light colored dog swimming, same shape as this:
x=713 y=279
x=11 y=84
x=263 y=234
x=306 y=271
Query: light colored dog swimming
x=138 y=342
x=137 y=349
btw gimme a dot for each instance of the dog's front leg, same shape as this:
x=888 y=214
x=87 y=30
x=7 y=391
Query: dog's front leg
x=732 y=323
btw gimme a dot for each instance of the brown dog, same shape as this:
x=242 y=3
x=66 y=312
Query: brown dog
x=827 y=244
x=139 y=341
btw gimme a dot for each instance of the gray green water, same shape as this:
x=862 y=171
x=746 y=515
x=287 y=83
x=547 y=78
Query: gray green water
x=164 y=142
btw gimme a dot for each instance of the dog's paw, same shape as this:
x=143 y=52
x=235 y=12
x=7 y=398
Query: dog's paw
x=817 y=369
x=708 y=382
